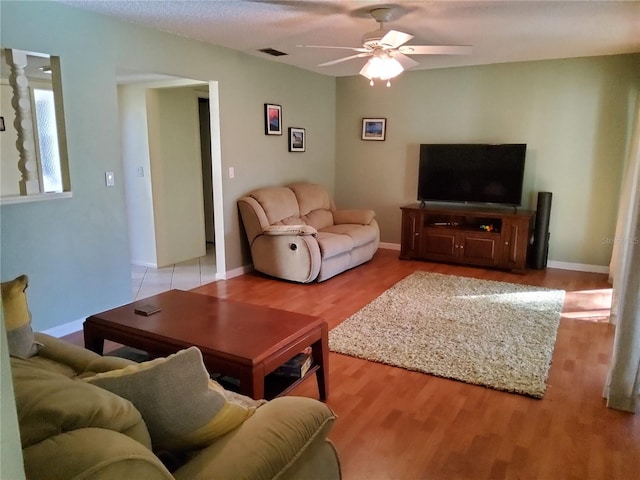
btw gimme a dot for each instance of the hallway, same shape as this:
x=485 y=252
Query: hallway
x=147 y=281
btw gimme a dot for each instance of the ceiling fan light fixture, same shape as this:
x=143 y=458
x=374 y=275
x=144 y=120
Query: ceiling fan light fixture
x=382 y=67
x=387 y=49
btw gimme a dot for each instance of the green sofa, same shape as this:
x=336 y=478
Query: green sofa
x=72 y=429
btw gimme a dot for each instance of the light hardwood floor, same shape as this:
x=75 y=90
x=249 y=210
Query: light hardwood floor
x=397 y=424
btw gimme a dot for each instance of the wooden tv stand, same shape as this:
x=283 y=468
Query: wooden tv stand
x=467 y=235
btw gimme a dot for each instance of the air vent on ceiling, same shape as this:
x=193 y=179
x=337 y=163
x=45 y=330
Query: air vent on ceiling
x=272 y=51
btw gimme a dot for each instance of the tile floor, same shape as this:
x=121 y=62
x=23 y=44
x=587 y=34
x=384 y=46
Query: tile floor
x=183 y=276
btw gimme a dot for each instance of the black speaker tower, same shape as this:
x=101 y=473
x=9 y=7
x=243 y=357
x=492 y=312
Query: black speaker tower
x=540 y=247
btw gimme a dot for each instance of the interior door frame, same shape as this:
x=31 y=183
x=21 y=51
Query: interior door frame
x=218 y=198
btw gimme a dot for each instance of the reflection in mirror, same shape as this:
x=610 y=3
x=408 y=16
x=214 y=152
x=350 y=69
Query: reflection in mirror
x=33 y=145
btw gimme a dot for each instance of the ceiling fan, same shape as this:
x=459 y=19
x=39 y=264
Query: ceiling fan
x=388 y=52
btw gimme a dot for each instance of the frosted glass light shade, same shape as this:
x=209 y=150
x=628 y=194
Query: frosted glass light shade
x=382 y=67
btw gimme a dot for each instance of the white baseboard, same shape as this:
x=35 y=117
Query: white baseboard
x=65 y=328
x=144 y=264
x=578 y=267
x=236 y=272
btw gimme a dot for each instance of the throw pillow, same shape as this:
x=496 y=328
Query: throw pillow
x=17 y=318
x=183 y=408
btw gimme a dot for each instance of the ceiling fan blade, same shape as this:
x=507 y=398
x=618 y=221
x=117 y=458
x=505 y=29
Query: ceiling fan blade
x=405 y=61
x=344 y=59
x=436 y=49
x=394 y=39
x=355 y=49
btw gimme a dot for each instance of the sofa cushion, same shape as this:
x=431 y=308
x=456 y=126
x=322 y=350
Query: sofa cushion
x=294 y=220
x=48 y=403
x=181 y=406
x=359 y=234
x=17 y=318
x=92 y=454
x=357 y=216
x=269 y=445
x=332 y=244
x=319 y=219
x=278 y=203
x=311 y=197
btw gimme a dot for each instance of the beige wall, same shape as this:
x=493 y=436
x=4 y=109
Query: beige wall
x=573 y=114
x=134 y=136
x=176 y=174
x=308 y=101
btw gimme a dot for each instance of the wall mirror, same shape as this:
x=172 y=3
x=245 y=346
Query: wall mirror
x=33 y=149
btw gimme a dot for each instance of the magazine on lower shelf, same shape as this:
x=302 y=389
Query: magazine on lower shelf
x=298 y=366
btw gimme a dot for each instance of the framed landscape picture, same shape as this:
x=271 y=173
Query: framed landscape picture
x=297 y=139
x=374 y=128
x=272 y=119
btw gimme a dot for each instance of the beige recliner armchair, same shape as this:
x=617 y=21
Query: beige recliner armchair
x=297 y=234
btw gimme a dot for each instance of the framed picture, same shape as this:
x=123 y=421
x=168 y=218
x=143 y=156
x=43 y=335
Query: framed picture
x=374 y=128
x=297 y=139
x=272 y=119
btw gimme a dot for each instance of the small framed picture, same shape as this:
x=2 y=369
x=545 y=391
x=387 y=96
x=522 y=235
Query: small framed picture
x=297 y=139
x=374 y=128
x=272 y=119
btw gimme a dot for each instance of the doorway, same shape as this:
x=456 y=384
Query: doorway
x=207 y=170
x=206 y=123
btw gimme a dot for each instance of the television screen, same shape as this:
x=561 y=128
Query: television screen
x=471 y=173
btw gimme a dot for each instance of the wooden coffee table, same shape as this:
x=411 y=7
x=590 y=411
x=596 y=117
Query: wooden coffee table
x=238 y=340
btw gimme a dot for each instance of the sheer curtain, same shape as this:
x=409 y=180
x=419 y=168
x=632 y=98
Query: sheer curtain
x=622 y=390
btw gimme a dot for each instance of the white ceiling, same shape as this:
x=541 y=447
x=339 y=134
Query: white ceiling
x=499 y=31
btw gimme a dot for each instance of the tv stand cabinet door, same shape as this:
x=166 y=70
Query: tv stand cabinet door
x=515 y=242
x=480 y=249
x=440 y=244
x=412 y=219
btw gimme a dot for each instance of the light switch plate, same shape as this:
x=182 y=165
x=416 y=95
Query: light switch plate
x=109 y=179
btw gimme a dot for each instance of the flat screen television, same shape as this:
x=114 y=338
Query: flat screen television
x=472 y=173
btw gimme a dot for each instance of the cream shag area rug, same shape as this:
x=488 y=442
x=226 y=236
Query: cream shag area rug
x=500 y=335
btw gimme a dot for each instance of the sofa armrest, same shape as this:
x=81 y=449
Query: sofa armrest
x=271 y=444
x=291 y=257
x=290 y=230
x=92 y=454
x=355 y=216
